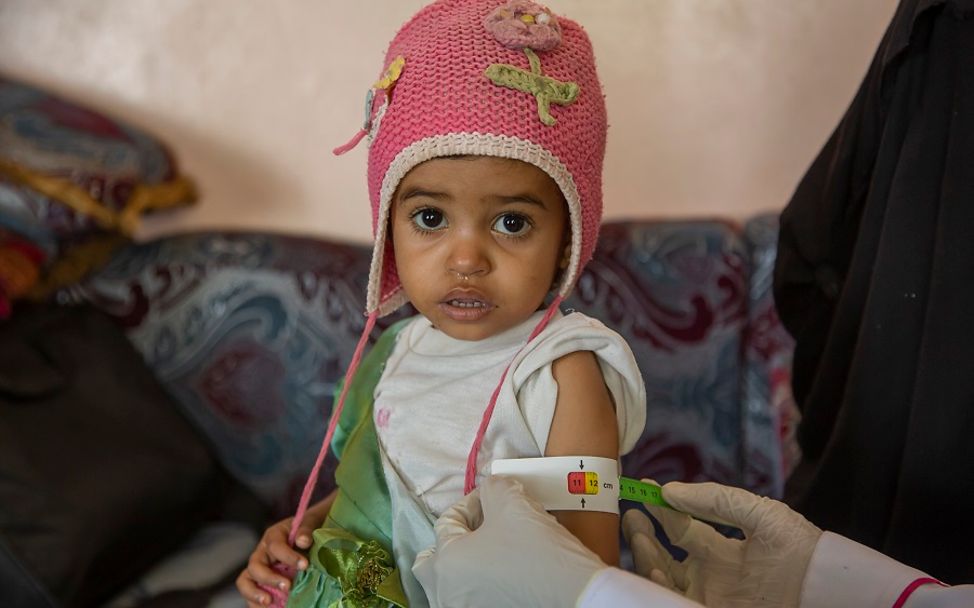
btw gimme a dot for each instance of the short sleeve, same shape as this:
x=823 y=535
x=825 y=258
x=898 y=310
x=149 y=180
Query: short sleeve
x=537 y=391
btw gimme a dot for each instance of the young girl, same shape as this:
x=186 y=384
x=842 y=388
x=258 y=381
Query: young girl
x=486 y=139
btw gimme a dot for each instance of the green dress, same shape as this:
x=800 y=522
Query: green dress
x=351 y=563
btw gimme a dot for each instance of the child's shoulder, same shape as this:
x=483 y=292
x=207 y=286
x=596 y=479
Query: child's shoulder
x=573 y=317
x=573 y=332
x=575 y=322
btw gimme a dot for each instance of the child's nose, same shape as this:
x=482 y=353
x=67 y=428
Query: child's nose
x=468 y=256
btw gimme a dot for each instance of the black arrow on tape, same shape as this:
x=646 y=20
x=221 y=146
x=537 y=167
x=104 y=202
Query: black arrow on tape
x=581 y=464
x=583 y=503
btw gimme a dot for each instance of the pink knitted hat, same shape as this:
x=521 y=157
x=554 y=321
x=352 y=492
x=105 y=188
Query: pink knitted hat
x=493 y=78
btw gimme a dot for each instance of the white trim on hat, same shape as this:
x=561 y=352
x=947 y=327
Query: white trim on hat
x=473 y=144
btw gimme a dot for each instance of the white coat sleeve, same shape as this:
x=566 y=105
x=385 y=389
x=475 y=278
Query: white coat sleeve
x=843 y=573
x=621 y=589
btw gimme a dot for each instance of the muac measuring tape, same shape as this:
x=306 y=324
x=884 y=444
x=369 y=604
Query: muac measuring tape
x=577 y=483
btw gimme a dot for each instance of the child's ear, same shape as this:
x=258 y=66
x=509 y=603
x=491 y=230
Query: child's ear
x=566 y=257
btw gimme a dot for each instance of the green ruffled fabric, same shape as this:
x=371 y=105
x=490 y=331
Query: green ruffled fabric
x=348 y=573
x=350 y=562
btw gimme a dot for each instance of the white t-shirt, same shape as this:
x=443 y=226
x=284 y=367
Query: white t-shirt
x=432 y=394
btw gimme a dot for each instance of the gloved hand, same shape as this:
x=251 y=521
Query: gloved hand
x=498 y=547
x=767 y=568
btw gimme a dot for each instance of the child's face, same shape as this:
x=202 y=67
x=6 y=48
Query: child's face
x=478 y=242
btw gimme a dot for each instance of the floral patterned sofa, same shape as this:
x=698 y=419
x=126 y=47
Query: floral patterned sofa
x=252 y=331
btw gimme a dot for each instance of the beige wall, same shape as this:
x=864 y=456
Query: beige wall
x=716 y=106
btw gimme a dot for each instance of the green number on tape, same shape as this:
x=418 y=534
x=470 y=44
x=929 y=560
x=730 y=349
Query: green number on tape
x=640 y=491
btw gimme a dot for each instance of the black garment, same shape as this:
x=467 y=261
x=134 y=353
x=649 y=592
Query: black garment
x=875 y=280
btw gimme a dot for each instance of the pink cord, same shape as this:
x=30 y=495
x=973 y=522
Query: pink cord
x=309 y=485
x=469 y=482
x=926 y=580
x=351 y=143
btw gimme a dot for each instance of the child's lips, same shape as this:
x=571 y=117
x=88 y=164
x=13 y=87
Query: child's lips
x=465 y=305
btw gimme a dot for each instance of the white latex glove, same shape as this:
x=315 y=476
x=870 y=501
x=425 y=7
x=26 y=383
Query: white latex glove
x=497 y=547
x=766 y=569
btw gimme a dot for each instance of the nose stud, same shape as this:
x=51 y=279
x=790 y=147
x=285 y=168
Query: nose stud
x=463 y=277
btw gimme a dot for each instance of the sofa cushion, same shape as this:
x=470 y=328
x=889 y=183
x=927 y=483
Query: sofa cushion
x=100 y=475
x=250 y=333
x=70 y=174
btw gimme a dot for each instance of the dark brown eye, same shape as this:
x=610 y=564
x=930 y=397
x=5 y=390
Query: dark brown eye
x=429 y=219
x=512 y=224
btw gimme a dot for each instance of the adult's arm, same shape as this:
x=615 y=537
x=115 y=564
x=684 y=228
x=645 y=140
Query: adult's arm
x=498 y=547
x=845 y=573
x=783 y=562
x=621 y=589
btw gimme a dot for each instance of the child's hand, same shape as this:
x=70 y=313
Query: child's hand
x=273 y=548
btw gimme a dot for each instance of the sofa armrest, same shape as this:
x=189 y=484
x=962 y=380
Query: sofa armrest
x=771 y=417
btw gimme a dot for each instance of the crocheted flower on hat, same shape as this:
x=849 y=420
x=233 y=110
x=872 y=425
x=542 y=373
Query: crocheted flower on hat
x=391 y=75
x=523 y=24
x=546 y=90
x=385 y=85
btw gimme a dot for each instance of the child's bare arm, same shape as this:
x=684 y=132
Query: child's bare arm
x=585 y=424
